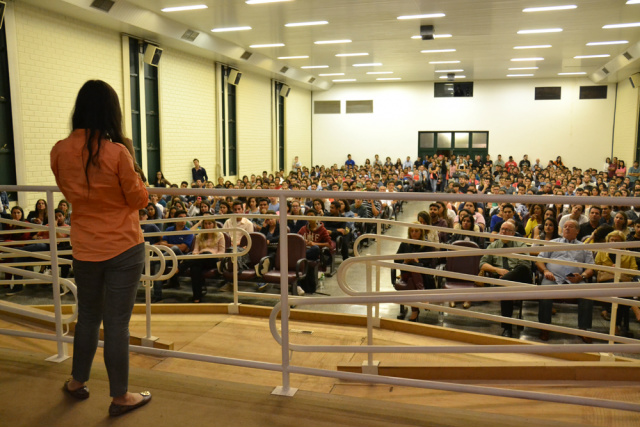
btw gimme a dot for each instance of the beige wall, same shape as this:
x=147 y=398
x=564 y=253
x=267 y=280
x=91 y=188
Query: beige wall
x=626 y=122
x=298 y=127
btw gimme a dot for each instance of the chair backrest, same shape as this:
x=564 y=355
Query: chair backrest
x=258 y=247
x=297 y=250
x=227 y=241
x=468 y=264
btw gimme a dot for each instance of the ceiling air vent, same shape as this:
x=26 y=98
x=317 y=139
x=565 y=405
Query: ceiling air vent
x=312 y=79
x=103 y=5
x=284 y=70
x=246 y=55
x=190 y=35
x=604 y=70
x=628 y=56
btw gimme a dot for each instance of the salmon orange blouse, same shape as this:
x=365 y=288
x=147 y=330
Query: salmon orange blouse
x=105 y=215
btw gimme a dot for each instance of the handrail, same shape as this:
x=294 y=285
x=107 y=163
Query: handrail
x=370 y=298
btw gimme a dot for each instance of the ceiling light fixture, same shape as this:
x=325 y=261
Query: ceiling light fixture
x=264 y=1
x=430 y=15
x=549 y=8
x=352 y=54
x=455 y=77
x=331 y=74
x=539 y=46
x=344 y=80
x=526 y=59
x=435 y=36
x=183 y=8
x=541 y=30
x=591 y=56
x=449 y=71
x=519 y=75
x=379 y=72
x=224 y=30
x=258 y=46
x=305 y=24
x=577 y=73
x=627 y=25
x=372 y=64
x=306 y=67
x=523 y=68
x=331 y=41
x=633 y=1
x=607 y=43
x=389 y=78
x=444 y=62
x=437 y=51
x=294 y=57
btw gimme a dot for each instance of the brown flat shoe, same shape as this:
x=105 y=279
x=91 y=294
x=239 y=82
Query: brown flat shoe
x=116 y=410
x=81 y=394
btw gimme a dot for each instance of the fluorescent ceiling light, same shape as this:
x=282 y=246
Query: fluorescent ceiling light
x=519 y=75
x=591 y=56
x=449 y=71
x=548 y=8
x=523 y=68
x=538 y=46
x=527 y=59
x=182 y=8
x=444 y=62
x=264 y=1
x=606 y=43
x=627 y=25
x=372 y=64
x=223 y=30
x=304 y=24
x=435 y=36
x=379 y=72
x=542 y=30
x=389 y=78
x=633 y=1
x=315 y=66
x=573 y=74
x=344 y=80
x=352 y=54
x=258 y=46
x=430 y=15
x=294 y=57
x=455 y=77
x=437 y=50
x=331 y=74
x=332 y=41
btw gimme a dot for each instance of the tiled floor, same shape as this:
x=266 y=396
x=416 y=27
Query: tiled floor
x=566 y=313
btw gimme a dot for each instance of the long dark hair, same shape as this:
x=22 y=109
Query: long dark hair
x=97 y=110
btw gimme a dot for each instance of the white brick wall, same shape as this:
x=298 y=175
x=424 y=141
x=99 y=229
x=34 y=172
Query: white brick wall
x=187 y=115
x=626 y=125
x=56 y=55
x=254 y=124
x=298 y=127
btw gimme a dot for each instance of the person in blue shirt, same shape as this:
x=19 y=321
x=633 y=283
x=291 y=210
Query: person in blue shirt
x=198 y=173
x=349 y=163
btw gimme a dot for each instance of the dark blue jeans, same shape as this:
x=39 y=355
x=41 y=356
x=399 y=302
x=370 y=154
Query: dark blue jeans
x=106 y=293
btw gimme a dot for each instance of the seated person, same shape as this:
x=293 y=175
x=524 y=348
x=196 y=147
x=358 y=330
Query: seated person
x=238 y=222
x=507 y=212
x=587 y=228
x=211 y=242
x=559 y=274
x=338 y=228
x=512 y=269
x=180 y=244
x=576 y=215
x=468 y=224
x=263 y=207
x=478 y=219
x=296 y=224
x=438 y=221
x=316 y=237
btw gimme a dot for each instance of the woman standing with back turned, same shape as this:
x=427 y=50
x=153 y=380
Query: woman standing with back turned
x=94 y=167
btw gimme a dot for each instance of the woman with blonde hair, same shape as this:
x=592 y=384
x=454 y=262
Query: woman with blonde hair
x=626 y=262
x=206 y=243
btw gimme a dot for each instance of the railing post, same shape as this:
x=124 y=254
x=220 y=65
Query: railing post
x=614 y=306
x=285 y=389
x=378 y=252
x=370 y=366
x=148 y=340
x=63 y=353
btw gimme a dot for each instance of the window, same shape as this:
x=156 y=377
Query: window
x=451 y=90
x=279 y=106
x=356 y=107
x=229 y=124
x=460 y=143
x=593 y=92
x=543 y=93
x=7 y=156
x=326 y=107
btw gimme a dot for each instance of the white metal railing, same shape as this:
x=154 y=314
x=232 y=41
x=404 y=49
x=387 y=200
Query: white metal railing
x=372 y=298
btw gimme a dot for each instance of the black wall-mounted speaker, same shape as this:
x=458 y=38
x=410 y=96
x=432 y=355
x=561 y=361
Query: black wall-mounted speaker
x=152 y=55
x=234 y=77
